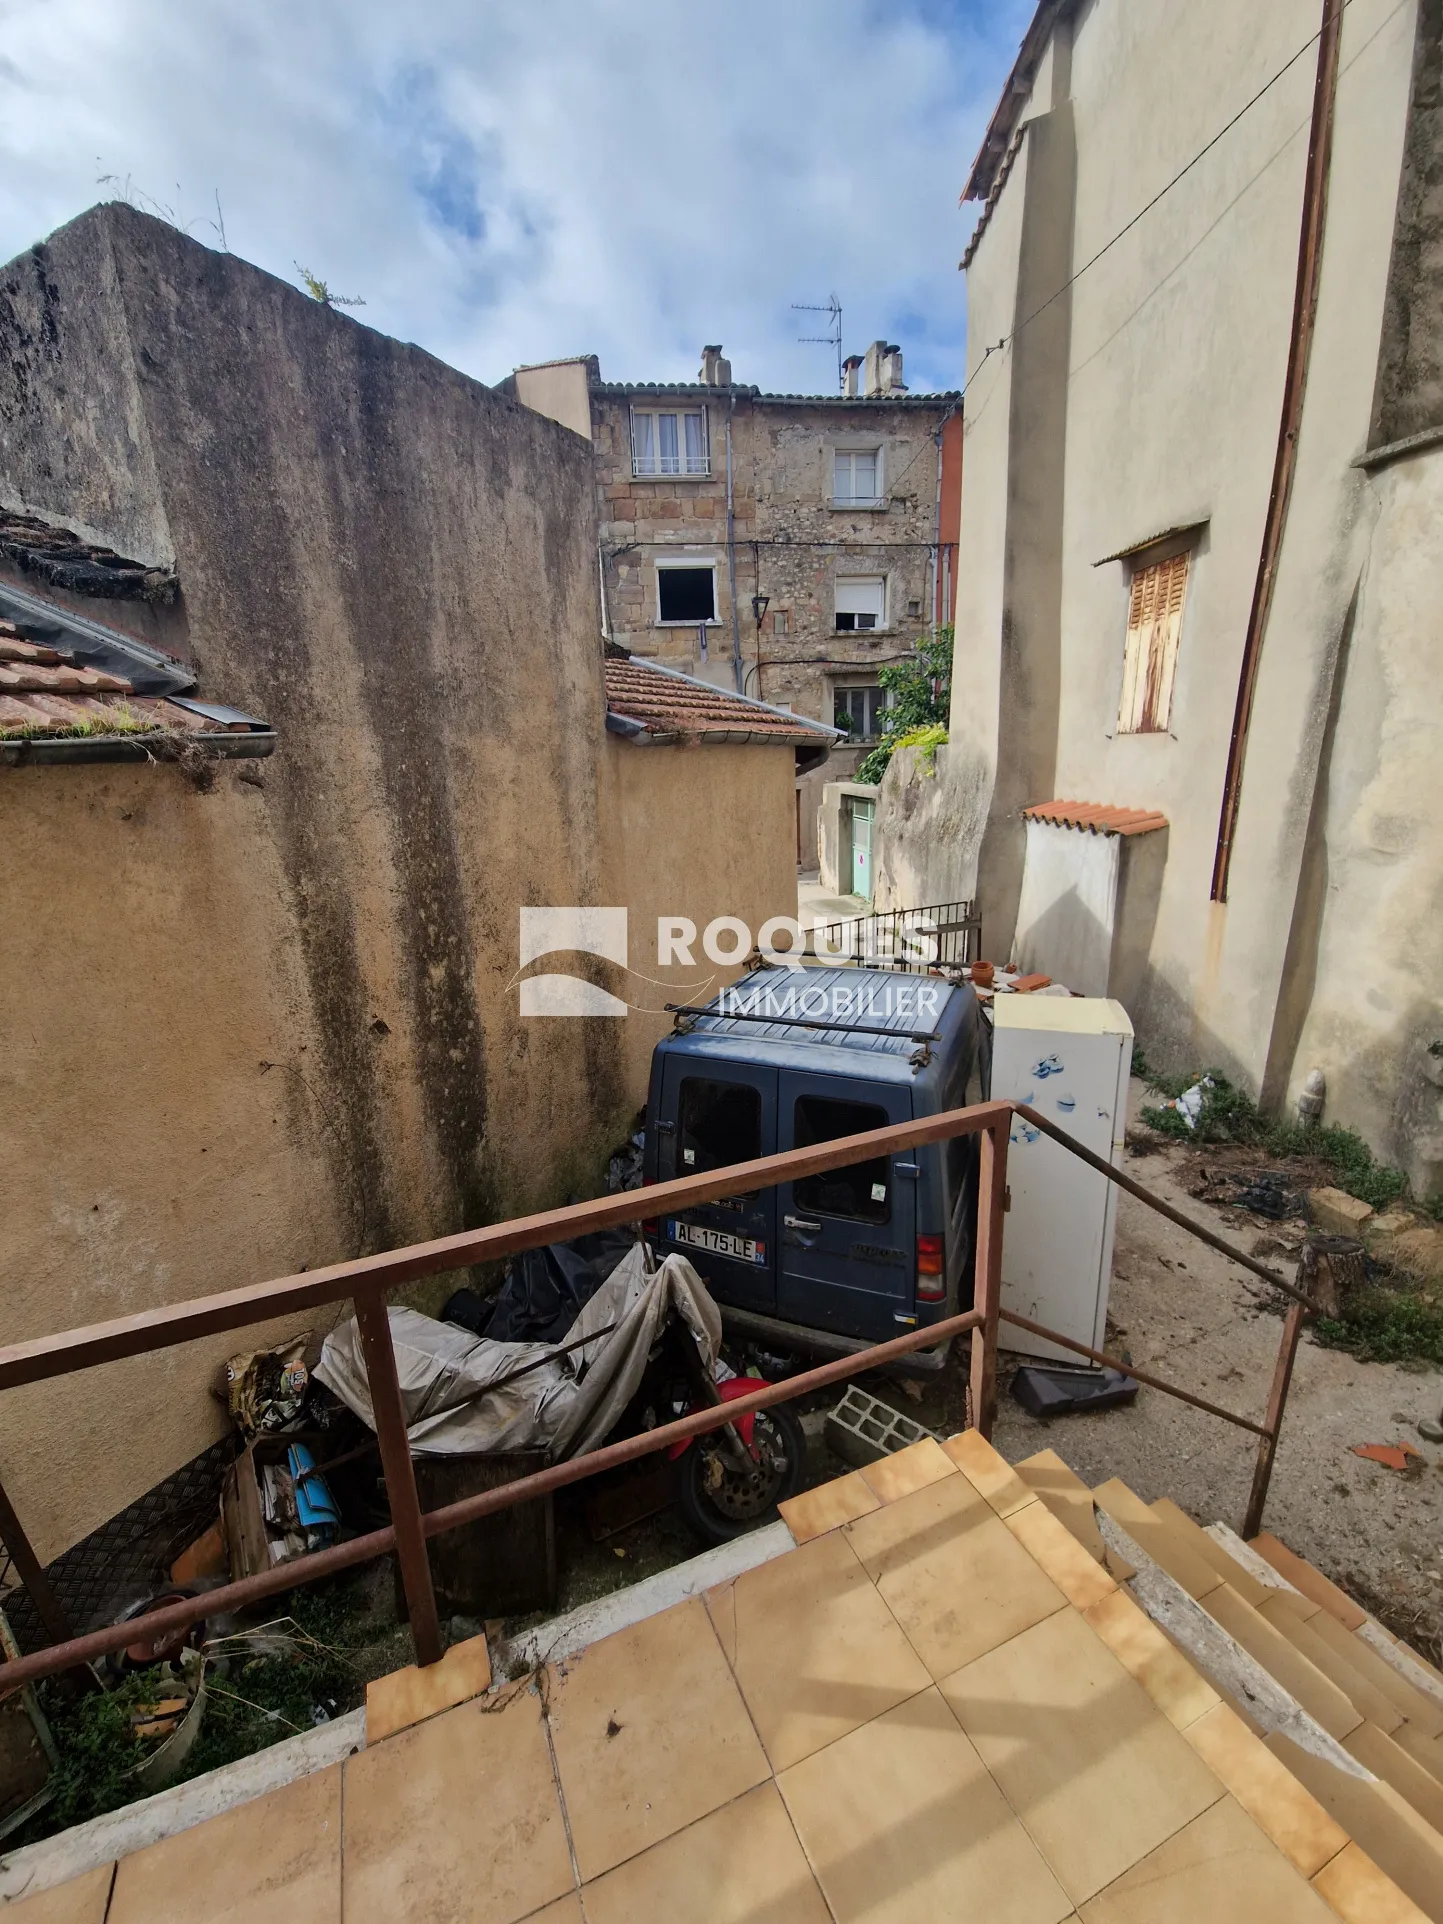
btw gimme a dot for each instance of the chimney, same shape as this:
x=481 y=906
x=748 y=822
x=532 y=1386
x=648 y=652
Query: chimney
x=715 y=372
x=851 y=383
x=883 y=374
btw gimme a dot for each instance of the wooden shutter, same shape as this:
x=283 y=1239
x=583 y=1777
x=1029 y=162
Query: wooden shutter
x=1149 y=663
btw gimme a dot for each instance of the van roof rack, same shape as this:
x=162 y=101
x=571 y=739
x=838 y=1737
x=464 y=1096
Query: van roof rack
x=804 y=1022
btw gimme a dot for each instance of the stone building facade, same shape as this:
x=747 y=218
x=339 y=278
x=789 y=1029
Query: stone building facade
x=783 y=545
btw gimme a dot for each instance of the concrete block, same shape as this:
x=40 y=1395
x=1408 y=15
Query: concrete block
x=1338 y=1214
x=863 y=1429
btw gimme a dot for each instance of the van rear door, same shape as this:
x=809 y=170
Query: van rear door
x=847 y=1238
x=722 y=1113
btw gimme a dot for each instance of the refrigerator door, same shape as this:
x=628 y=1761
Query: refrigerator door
x=1069 y=1060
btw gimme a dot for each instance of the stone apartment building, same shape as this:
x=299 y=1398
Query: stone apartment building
x=785 y=545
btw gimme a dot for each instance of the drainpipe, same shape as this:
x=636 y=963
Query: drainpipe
x=1300 y=342
x=732 y=555
x=937 y=538
x=601 y=578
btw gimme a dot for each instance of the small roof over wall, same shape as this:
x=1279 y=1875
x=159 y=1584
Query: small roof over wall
x=647 y=701
x=75 y=690
x=1100 y=818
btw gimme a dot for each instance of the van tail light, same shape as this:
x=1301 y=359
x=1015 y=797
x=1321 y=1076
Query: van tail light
x=931 y=1284
x=651 y=1227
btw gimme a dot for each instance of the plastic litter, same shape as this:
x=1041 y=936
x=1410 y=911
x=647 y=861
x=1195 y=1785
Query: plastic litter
x=265 y=1388
x=1066 y=1392
x=1189 y=1104
x=1392 y=1456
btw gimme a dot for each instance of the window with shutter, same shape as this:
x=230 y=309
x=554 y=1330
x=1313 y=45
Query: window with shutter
x=1149 y=662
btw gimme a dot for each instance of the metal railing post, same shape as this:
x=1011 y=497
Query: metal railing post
x=987 y=1288
x=1277 y=1400
x=401 y=1493
x=27 y=1567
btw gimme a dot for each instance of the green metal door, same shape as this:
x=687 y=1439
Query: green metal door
x=862 y=849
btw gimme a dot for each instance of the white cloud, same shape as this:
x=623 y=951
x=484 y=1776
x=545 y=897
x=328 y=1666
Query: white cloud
x=507 y=184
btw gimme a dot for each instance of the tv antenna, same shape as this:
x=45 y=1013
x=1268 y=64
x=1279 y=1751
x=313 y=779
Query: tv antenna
x=833 y=336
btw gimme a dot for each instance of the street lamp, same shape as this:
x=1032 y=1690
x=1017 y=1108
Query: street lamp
x=760 y=603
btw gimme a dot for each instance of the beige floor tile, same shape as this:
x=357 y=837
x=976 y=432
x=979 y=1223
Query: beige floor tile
x=1360 y=1894
x=904 y=1826
x=456 y=1818
x=1219 y=1869
x=277 y=1856
x=828 y=1506
x=1176 y=1555
x=1053 y=1546
x=989 y=1472
x=1095 y=1772
x=1337 y=1665
x=741 y=1865
x=651 y=1733
x=80 y=1901
x=1311 y=1582
x=407 y=1696
x=952 y=1573
x=1387 y=1759
x=1318 y=1695
x=566 y=1910
x=721 y=1607
x=1267 y=1790
x=816 y=1650
x=1173 y=1517
x=1180 y=1693
x=1067 y=1496
x=891 y=1477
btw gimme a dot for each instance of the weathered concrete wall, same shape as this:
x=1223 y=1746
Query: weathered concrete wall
x=920 y=838
x=696 y=832
x=1172 y=374
x=1374 y=1022
x=275 y=1025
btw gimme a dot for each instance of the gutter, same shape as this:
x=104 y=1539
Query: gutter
x=1300 y=343
x=27 y=751
x=737 y=672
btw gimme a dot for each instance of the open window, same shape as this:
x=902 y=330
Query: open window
x=861 y=602
x=685 y=593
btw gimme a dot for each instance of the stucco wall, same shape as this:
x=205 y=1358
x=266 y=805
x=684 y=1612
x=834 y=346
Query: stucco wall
x=275 y=1025
x=695 y=832
x=1172 y=362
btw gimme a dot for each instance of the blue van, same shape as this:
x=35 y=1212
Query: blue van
x=790 y=1057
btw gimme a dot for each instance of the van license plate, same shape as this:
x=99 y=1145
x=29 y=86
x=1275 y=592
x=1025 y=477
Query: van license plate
x=742 y=1249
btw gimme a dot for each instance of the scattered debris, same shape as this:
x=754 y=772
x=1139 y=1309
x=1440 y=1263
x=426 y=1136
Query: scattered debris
x=1392 y=1456
x=265 y=1388
x=1066 y=1392
x=1189 y=1105
x=863 y=1428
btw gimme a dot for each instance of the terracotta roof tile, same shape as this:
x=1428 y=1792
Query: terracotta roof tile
x=64 y=559
x=1100 y=817
x=666 y=703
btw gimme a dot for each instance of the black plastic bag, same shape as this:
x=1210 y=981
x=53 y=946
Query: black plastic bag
x=544 y=1289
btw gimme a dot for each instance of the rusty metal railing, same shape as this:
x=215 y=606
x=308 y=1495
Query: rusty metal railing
x=365 y=1281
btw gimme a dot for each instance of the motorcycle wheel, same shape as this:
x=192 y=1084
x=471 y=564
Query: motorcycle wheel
x=719 y=1501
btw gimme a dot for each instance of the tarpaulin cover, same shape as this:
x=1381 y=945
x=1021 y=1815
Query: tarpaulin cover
x=567 y=1406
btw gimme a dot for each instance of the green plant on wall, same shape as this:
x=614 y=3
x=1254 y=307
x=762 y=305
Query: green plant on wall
x=320 y=291
x=921 y=699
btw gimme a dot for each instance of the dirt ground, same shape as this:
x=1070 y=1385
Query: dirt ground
x=1208 y=1325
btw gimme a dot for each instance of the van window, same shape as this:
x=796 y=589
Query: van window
x=862 y=1190
x=720 y=1123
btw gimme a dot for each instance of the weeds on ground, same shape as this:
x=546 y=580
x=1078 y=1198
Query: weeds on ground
x=1230 y=1116
x=252 y=1702
x=1384 y=1324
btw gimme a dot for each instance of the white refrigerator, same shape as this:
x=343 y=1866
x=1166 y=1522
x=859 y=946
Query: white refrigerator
x=1069 y=1058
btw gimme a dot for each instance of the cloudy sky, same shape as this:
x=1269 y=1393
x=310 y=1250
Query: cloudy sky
x=514 y=180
